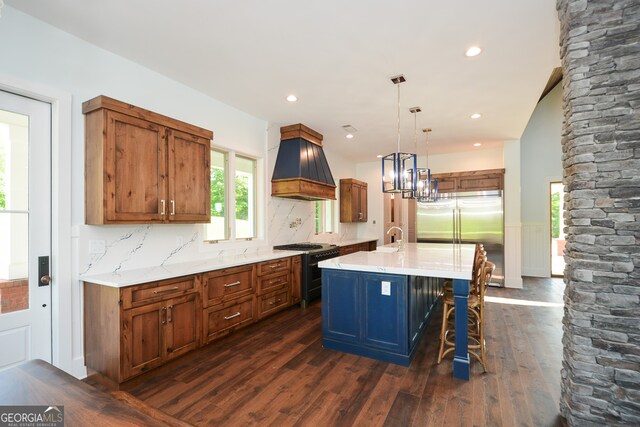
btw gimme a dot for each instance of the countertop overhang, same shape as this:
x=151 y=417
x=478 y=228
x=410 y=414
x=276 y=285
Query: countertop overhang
x=453 y=261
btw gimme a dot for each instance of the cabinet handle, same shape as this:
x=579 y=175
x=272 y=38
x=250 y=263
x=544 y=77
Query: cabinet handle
x=271 y=282
x=274 y=302
x=164 y=315
x=170 y=314
x=163 y=209
x=228 y=285
x=232 y=316
x=173 y=207
x=175 y=288
x=275 y=266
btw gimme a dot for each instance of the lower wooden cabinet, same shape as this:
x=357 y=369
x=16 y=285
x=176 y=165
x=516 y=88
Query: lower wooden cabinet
x=358 y=247
x=296 y=279
x=133 y=329
x=155 y=333
x=272 y=302
x=223 y=319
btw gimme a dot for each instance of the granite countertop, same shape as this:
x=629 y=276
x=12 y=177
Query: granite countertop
x=415 y=259
x=126 y=278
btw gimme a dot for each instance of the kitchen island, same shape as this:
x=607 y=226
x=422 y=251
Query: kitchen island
x=377 y=304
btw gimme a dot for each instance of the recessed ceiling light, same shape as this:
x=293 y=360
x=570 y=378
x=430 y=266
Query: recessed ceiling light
x=379 y=156
x=473 y=51
x=349 y=136
x=292 y=98
x=477 y=144
x=475 y=115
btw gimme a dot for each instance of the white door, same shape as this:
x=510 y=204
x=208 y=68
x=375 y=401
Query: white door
x=25 y=229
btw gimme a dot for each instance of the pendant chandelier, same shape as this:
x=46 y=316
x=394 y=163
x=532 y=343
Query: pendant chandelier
x=414 y=111
x=399 y=169
x=426 y=188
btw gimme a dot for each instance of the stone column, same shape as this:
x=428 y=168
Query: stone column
x=600 y=51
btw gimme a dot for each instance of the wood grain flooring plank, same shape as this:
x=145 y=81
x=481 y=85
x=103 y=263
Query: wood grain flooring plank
x=403 y=410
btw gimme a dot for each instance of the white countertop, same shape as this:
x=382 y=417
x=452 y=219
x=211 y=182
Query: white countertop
x=143 y=275
x=414 y=259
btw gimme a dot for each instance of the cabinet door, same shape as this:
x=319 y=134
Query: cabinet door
x=189 y=178
x=340 y=305
x=362 y=203
x=296 y=279
x=134 y=170
x=385 y=317
x=143 y=338
x=182 y=330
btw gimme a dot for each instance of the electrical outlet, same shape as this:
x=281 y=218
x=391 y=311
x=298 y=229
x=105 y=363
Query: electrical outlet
x=97 y=247
x=386 y=288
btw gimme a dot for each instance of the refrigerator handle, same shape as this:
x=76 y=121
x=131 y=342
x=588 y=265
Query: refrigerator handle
x=459 y=226
x=455 y=227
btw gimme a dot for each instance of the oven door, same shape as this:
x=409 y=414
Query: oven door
x=312 y=286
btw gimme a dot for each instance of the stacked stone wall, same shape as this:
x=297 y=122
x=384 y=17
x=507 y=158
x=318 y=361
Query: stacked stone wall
x=600 y=52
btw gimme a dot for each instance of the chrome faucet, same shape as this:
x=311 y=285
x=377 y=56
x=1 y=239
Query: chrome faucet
x=400 y=241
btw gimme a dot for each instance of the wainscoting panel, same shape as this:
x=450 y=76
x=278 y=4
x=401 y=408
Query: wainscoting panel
x=512 y=256
x=535 y=249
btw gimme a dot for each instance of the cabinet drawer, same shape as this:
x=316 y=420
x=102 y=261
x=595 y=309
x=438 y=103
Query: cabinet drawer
x=275 y=266
x=223 y=318
x=157 y=291
x=273 y=282
x=227 y=284
x=272 y=302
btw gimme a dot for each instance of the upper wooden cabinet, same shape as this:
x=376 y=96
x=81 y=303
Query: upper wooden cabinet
x=482 y=180
x=353 y=200
x=142 y=167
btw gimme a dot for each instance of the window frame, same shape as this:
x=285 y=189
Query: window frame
x=230 y=198
x=254 y=197
x=326 y=214
x=227 y=225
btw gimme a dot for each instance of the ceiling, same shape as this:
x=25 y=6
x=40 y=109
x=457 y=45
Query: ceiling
x=337 y=57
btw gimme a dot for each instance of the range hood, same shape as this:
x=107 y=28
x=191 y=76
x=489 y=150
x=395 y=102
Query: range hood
x=301 y=171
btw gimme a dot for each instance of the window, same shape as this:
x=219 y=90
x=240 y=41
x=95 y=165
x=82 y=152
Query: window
x=218 y=228
x=324 y=216
x=245 y=225
x=239 y=200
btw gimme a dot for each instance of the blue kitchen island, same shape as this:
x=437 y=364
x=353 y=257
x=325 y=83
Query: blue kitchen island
x=378 y=304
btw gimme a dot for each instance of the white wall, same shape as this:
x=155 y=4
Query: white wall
x=45 y=56
x=541 y=163
x=370 y=172
x=512 y=225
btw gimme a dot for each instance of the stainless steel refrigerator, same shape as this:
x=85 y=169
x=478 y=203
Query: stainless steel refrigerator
x=466 y=218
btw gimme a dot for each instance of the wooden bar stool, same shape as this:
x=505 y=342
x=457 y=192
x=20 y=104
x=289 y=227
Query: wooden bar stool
x=479 y=253
x=475 y=303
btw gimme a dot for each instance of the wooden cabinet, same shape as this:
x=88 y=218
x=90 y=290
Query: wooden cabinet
x=296 y=279
x=142 y=167
x=358 y=247
x=274 y=286
x=353 y=200
x=482 y=180
x=230 y=283
x=222 y=319
x=131 y=330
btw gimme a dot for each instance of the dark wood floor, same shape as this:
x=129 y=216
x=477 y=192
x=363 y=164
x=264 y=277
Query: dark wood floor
x=277 y=373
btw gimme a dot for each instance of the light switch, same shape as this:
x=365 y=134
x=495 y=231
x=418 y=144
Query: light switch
x=386 y=288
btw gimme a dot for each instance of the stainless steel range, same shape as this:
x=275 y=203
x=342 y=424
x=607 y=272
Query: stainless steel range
x=311 y=274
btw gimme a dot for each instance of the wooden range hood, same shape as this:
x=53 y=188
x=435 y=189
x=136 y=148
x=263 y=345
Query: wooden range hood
x=301 y=171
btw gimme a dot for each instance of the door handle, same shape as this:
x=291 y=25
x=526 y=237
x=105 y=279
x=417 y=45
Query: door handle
x=170 y=314
x=164 y=315
x=163 y=209
x=173 y=207
x=43 y=271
